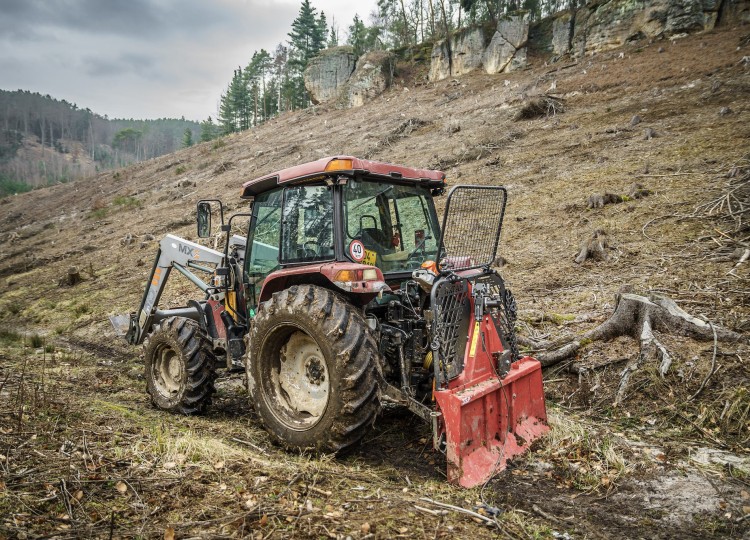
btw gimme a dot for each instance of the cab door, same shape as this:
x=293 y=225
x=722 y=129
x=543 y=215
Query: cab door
x=263 y=240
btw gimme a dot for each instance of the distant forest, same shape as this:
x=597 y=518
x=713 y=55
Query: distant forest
x=45 y=141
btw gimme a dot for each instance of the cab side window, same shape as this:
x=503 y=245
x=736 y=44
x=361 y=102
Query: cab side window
x=307 y=224
x=263 y=238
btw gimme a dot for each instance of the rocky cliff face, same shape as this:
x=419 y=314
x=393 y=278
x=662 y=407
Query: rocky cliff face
x=602 y=26
x=458 y=55
x=372 y=76
x=598 y=26
x=471 y=48
x=507 y=50
x=337 y=75
x=607 y=24
x=326 y=74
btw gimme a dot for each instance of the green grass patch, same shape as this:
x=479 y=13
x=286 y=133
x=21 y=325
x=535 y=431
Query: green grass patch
x=127 y=203
x=81 y=309
x=8 y=337
x=560 y=318
x=99 y=213
x=36 y=341
x=10 y=186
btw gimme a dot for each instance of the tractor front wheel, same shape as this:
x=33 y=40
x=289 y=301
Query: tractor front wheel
x=179 y=367
x=311 y=370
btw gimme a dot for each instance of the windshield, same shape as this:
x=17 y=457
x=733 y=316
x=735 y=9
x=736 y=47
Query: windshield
x=396 y=225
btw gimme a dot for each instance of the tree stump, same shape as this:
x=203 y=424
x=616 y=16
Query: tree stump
x=594 y=248
x=71 y=278
x=639 y=317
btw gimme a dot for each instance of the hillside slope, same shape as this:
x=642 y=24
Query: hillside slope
x=690 y=148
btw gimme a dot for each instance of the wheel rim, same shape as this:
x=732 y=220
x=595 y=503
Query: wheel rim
x=300 y=382
x=168 y=372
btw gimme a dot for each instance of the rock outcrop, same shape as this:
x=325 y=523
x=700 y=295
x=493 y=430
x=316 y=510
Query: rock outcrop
x=507 y=50
x=336 y=75
x=459 y=54
x=372 y=76
x=601 y=25
x=607 y=25
x=327 y=73
x=562 y=33
x=471 y=48
x=728 y=11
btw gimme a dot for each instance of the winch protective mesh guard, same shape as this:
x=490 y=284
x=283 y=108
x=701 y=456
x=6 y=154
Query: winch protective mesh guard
x=471 y=227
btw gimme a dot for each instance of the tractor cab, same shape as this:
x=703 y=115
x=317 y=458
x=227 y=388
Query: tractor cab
x=346 y=214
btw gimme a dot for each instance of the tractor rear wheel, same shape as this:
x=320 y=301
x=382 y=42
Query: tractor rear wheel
x=179 y=367
x=311 y=370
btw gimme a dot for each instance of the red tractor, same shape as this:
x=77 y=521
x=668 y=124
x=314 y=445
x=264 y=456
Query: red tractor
x=345 y=294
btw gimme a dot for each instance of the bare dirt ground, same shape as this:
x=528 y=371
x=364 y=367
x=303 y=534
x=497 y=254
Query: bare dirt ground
x=82 y=454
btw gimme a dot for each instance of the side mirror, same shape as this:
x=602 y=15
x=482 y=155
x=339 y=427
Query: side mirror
x=203 y=218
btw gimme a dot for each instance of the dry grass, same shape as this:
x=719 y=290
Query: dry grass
x=593 y=456
x=119 y=467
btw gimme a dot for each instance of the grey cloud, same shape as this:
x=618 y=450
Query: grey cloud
x=127 y=63
x=140 y=58
x=132 y=17
x=136 y=18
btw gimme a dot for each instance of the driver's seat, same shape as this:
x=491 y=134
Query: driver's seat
x=377 y=239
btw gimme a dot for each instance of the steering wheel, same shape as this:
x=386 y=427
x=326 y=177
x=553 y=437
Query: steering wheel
x=420 y=245
x=413 y=264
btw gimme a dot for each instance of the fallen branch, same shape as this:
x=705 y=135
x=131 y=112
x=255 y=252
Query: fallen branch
x=667 y=175
x=713 y=366
x=544 y=514
x=743 y=258
x=251 y=445
x=459 y=509
x=437 y=513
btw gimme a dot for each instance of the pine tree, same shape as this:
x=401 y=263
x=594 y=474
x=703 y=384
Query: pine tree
x=187 y=138
x=358 y=36
x=208 y=130
x=307 y=38
x=333 y=35
x=234 y=107
x=256 y=74
x=321 y=31
x=281 y=70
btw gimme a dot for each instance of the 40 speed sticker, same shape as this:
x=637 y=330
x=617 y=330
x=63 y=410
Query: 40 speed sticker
x=357 y=250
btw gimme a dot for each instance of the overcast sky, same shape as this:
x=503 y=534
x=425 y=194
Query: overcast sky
x=144 y=58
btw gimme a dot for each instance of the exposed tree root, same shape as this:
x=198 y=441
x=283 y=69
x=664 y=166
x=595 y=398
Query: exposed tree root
x=639 y=317
x=594 y=247
x=544 y=106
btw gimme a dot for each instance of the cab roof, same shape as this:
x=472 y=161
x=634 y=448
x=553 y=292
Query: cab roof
x=343 y=165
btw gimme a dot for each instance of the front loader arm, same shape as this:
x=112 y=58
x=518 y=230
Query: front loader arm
x=182 y=255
